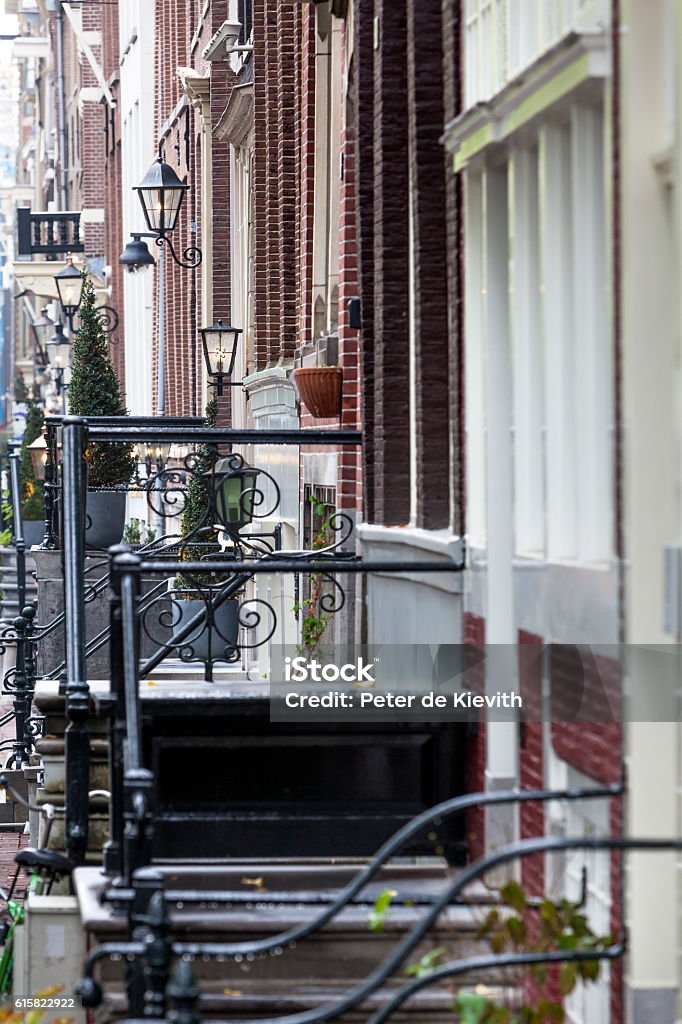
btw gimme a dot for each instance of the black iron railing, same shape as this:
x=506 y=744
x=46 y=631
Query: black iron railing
x=154 y=949
x=19 y=681
x=213 y=580
x=48 y=234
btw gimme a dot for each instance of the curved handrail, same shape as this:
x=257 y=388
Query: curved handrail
x=503 y=855
x=390 y=848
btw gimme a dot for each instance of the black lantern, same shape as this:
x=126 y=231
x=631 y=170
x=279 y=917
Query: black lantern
x=161 y=193
x=234 y=491
x=220 y=350
x=58 y=348
x=38 y=453
x=136 y=255
x=70 y=283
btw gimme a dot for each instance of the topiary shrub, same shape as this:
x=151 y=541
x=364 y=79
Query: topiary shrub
x=32 y=490
x=95 y=390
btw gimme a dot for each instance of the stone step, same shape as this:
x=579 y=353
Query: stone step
x=341 y=954
x=430 y=1006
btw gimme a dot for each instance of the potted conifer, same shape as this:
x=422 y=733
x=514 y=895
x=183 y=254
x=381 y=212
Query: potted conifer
x=95 y=390
x=32 y=489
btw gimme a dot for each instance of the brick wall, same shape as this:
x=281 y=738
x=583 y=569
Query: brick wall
x=430 y=262
x=454 y=219
x=362 y=101
x=531 y=757
x=391 y=273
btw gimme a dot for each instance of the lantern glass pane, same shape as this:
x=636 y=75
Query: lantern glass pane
x=221 y=347
x=161 y=207
x=70 y=288
x=235 y=495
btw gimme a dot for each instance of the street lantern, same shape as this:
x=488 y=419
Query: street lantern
x=161 y=193
x=234 y=492
x=220 y=350
x=38 y=452
x=58 y=348
x=136 y=255
x=70 y=283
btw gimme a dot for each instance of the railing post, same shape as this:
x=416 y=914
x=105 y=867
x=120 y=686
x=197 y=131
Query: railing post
x=77 y=737
x=24 y=684
x=113 y=851
x=138 y=781
x=184 y=994
x=51 y=487
x=158 y=956
x=17 y=521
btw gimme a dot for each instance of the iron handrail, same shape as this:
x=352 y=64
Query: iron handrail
x=392 y=846
x=499 y=857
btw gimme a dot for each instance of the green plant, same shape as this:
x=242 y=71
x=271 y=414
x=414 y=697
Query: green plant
x=380 y=909
x=20 y=389
x=137 y=533
x=6 y=517
x=32 y=490
x=315 y=622
x=427 y=964
x=95 y=390
x=520 y=927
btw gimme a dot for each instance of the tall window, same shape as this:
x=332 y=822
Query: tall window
x=554 y=308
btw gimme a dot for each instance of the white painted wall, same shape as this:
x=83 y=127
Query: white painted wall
x=138 y=150
x=652 y=217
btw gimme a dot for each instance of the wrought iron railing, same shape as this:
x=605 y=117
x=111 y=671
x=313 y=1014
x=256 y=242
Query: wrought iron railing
x=156 y=950
x=213 y=580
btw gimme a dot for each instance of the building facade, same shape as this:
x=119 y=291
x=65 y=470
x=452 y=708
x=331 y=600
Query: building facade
x=469 y=210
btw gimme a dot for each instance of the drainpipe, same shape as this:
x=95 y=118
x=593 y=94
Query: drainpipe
x=61 y=109
x=161 y=377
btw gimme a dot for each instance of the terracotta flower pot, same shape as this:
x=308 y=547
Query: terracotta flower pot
x=319 y=388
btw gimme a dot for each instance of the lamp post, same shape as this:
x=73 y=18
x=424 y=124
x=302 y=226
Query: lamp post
x=220 y=351
x=69 y=283
x=59 y=349
x=161 y=194
x=38 y=453
x=39 y=328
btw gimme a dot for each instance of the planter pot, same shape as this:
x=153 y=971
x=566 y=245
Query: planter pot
x=224 y=632
x=34 y=531
x=105 y=518
x=319 y=388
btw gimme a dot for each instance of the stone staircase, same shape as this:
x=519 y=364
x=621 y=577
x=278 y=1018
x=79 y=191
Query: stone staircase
x=255 y=899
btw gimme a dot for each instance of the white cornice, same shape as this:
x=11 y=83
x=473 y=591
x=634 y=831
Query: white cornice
x=579 y=58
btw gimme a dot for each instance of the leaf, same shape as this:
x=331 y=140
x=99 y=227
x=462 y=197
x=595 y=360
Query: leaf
x=491 y=921
x=378 y=913
x=470 y=1007
x=549 y=912
x=517 y=930
x=427 y=964
x=568 y=976
x=589 y=970
x=231 y=992
x=513 y=895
